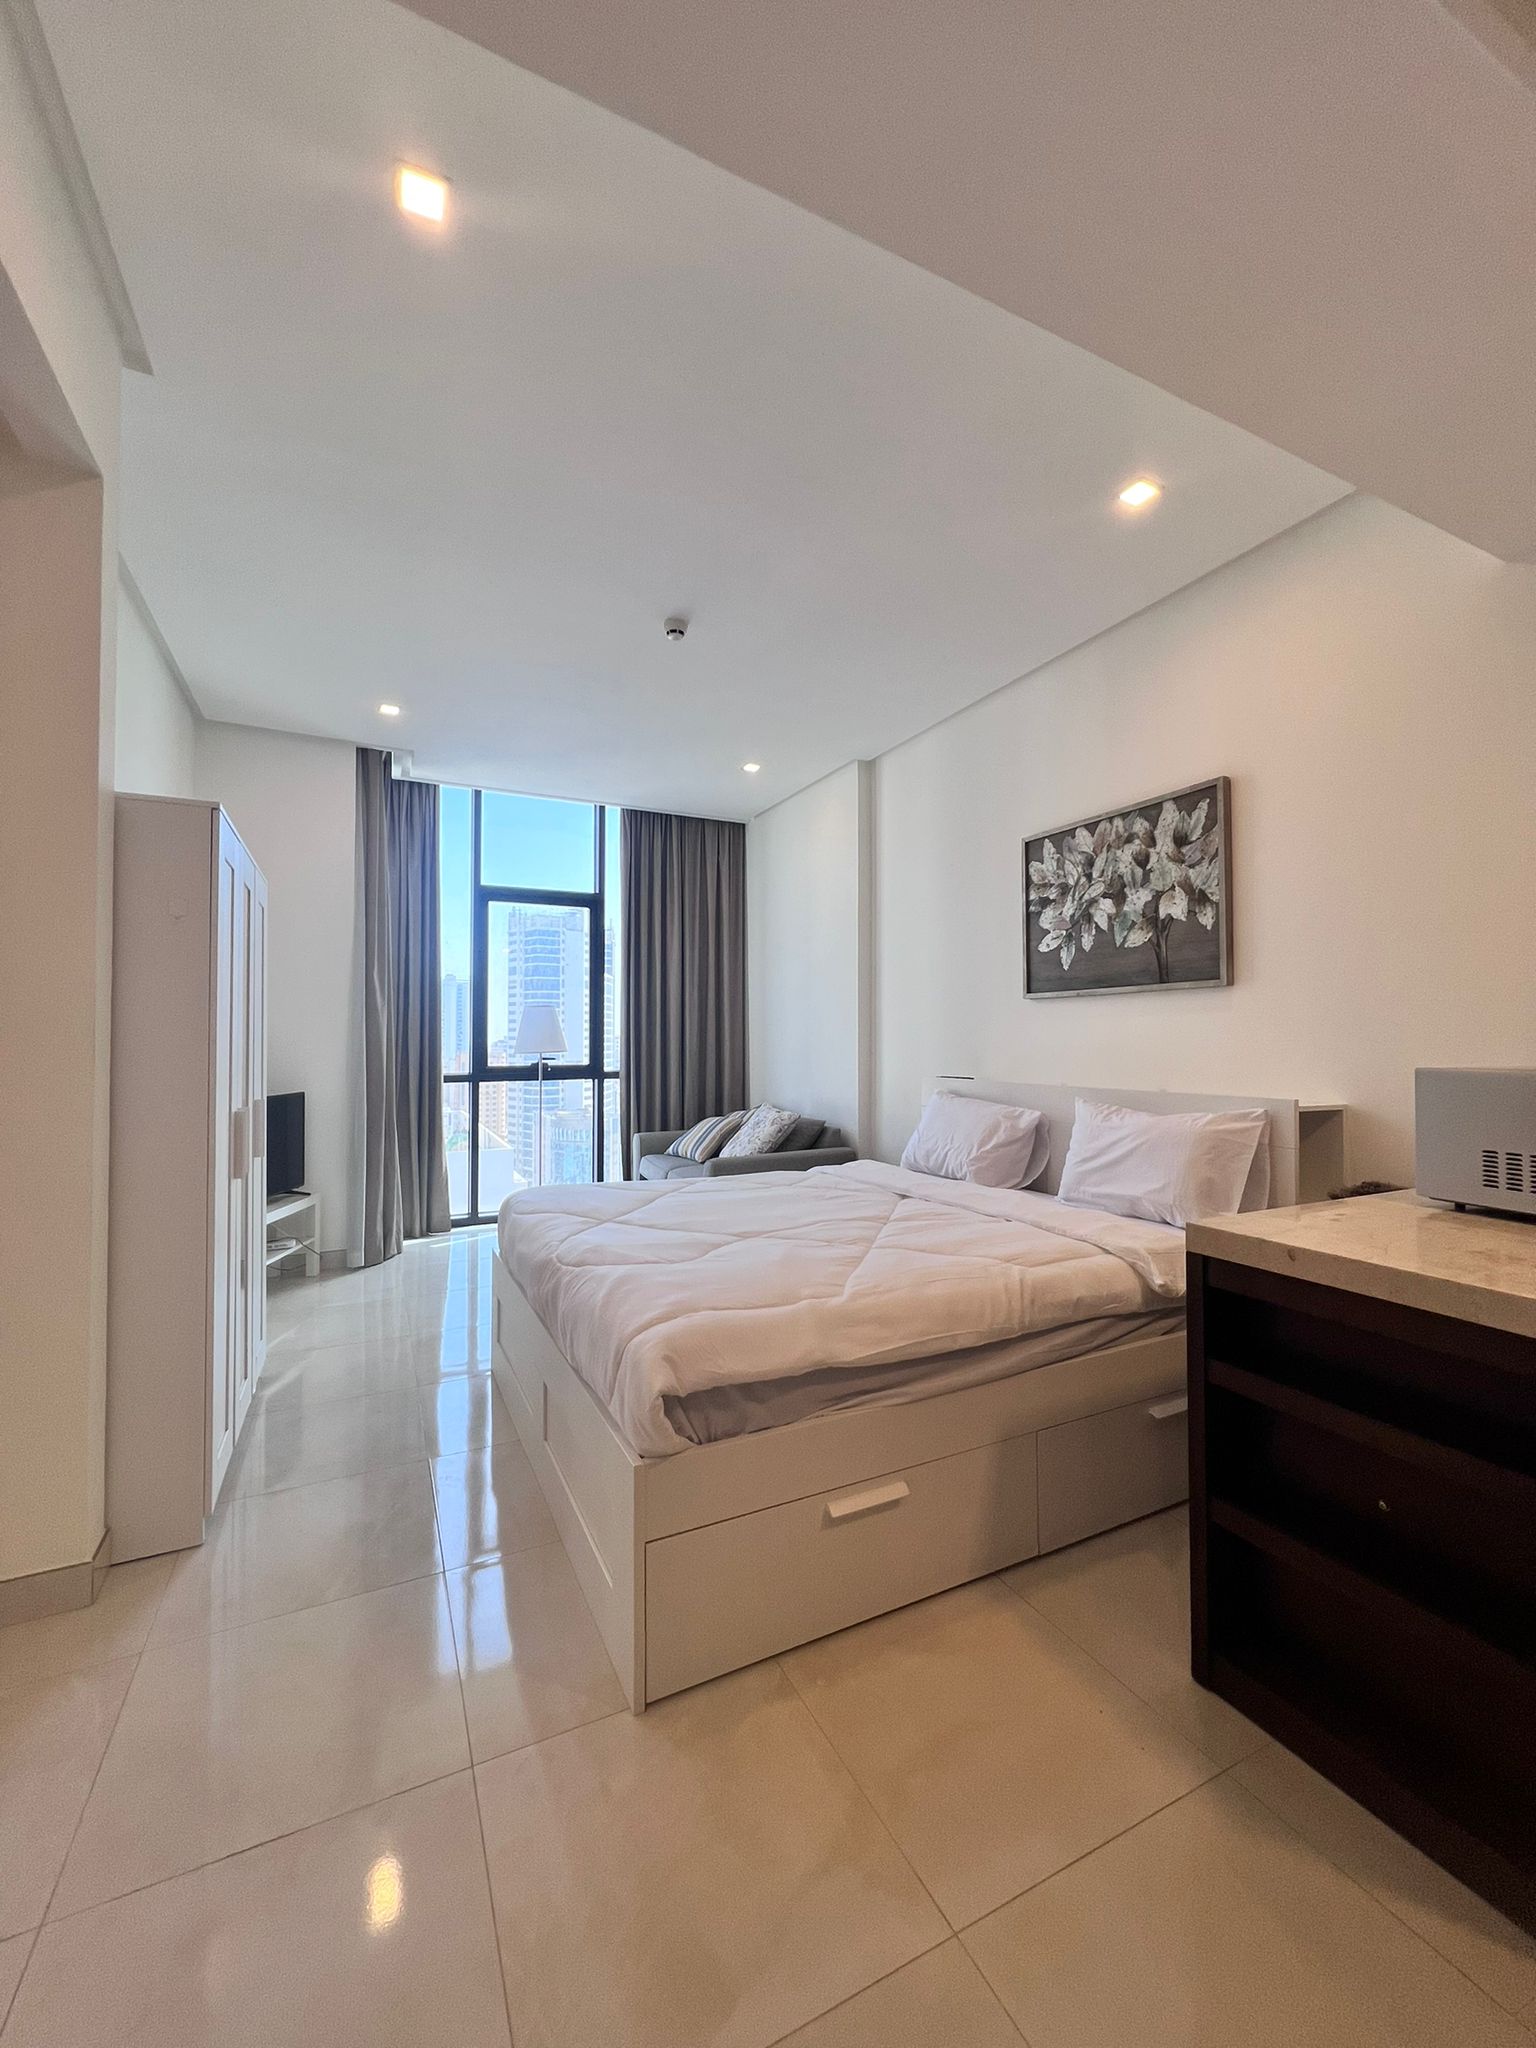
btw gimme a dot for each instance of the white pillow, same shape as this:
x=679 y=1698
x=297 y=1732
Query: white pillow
x=1166 y=1169
x=960 y=1137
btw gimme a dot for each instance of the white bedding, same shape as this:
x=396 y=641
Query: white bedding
x=659 y=1289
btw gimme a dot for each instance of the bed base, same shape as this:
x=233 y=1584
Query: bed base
x=697 y=1564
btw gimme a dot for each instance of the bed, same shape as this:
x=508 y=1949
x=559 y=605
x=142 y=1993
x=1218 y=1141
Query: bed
x=805 y=1399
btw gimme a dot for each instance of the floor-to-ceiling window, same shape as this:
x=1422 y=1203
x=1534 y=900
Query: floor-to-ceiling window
x=530 y=914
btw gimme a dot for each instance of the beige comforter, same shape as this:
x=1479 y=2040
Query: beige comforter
x=658 y=1289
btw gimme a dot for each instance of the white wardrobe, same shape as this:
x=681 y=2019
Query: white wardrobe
x=187 y=1301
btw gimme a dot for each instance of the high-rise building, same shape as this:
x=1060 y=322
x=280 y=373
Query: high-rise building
x=610 y=1046
x=456 y=1023
x=547 y=963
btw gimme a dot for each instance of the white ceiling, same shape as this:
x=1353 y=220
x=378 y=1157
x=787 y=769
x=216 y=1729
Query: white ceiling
x=1314 y=217
x=473 y=473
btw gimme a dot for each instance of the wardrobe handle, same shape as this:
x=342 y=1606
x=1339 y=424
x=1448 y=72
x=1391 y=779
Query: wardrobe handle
x=1160 y=1411
x=865 y=1503
x=237 y=1144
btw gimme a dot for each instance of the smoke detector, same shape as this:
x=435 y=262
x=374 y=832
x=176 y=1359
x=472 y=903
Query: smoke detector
x=675 y=628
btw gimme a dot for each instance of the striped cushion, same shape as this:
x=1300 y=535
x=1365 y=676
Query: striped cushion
x=707 y=1136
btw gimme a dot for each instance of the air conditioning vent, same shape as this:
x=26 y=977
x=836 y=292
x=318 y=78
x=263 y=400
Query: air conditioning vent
x=1508 y=1173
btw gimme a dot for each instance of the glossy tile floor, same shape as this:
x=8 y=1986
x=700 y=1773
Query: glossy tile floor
x=358 y=1771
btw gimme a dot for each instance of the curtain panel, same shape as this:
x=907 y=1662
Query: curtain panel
x=683 y=1031
x=400 y=1169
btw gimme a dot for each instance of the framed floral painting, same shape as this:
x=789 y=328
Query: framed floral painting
x=1137 y=898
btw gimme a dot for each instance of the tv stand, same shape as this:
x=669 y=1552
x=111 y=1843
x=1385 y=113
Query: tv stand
x=301 y=1211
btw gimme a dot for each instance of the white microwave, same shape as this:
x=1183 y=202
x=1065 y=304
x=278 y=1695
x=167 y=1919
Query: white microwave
x=1475 y=1137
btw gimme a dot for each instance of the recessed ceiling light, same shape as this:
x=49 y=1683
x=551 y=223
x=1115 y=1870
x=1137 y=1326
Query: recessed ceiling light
x=422 y=194
x=1140 y=491
x=389 y=711
x=750 y=767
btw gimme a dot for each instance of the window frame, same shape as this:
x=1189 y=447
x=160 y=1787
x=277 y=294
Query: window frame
x=482 y=1070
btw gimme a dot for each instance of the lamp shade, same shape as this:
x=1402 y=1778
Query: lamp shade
x=539 y=1035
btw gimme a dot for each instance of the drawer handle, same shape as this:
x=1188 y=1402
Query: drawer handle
x=865 y=1503
x=1161 y=1411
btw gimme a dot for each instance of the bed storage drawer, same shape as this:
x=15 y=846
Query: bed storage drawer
x=1111 y=1468
x=785 y=1575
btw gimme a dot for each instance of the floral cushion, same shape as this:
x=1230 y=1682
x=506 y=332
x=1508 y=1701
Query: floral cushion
x=764 y=1131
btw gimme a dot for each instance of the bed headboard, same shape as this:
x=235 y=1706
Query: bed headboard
x=1057 y=1101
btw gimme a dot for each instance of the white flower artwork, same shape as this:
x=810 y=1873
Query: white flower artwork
x=1137 y=898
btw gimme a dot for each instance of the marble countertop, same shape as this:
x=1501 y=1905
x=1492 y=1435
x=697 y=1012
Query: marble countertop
x=1395 y=1247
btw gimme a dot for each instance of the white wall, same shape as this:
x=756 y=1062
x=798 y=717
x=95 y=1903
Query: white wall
x=59 y=395
x=54 y=990
x=808 y=953
x=1370 y=686
x=293 y=802
x=156 y=726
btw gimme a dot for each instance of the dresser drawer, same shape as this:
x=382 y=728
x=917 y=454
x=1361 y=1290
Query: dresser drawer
x=788 y=1574
x=1111 y=1468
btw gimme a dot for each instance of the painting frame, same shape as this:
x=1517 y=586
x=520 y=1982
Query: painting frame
x=1178 y=959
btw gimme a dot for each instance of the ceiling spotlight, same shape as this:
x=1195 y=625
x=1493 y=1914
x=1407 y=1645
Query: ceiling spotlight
x=389 y=711
x=750 y=767
x=422 y=194
x=1139 y=492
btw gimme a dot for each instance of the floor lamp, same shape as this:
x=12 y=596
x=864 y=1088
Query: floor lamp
x=540 y=1037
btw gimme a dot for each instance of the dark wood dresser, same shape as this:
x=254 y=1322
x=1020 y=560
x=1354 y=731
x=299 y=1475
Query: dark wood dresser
x=1362 y=1411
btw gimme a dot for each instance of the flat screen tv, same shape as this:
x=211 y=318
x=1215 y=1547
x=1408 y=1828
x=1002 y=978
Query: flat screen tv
x=285 y=1144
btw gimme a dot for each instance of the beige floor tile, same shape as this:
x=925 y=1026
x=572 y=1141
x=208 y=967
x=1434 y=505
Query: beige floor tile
x=275 y=1553
x=117 y=1624
x=461 y=1311
x=296 y=1347
x=300 y=1446
x=1214 y=1926
x=1124 y=1597
x=345 y=1372
x=940 y=2001
x=373 y=1325
x=530 y=1657
x=53 y=1732
x=464 y=1414
x=13 y=1960
x=1491 y=1950
x=706 y=1873
x=489 y=1504
x=463 y=1306
x=372 y=1931
x=296 y=1295
x=450 y=1352
x=231 y=1739
x=994 y=1749
x=387 y=1361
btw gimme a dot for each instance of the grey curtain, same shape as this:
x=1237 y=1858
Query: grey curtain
x=400 y=1170
x=683 y=882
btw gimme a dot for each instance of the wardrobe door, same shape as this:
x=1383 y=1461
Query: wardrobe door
x=256 y=1036
x=224 y=1321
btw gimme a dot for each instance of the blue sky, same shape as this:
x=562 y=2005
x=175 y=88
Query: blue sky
x=528 y=842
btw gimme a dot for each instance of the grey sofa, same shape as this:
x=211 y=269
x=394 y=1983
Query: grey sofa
x=650 y=1160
